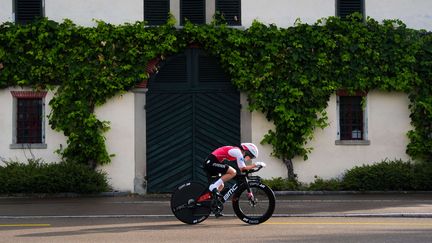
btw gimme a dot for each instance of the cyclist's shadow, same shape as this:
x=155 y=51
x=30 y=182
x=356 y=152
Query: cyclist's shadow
x=137 y=227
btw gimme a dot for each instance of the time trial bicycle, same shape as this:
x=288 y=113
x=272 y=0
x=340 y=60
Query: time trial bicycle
x=253 y=202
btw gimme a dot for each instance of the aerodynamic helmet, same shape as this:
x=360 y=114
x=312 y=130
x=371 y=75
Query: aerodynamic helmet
x=250 y=149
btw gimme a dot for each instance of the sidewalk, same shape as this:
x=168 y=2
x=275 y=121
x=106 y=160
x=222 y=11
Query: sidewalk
x=288 y=204
x=356 y=204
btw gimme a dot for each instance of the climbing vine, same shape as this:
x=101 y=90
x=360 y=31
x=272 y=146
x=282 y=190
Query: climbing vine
x=289 y=74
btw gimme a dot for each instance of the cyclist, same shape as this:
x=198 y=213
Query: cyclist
x=215 y=163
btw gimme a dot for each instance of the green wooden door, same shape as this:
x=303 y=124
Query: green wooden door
x=191 y=108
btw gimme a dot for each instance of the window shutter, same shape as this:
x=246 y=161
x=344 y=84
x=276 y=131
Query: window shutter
x=156 y=11
x=347 y=7
x=27 y=10
x=193 y=10
x=230 y=10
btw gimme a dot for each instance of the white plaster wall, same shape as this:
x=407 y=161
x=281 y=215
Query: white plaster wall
x=120 y=140
x=83 y=12
x=416 y=14
x=327 y=160
x=388 y=122
x=260 y=127
x=53 y=139
x=284 y=13
x=6 y=11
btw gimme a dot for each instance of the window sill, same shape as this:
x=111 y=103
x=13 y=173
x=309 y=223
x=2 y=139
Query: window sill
x=28 y=146
x=352 y=142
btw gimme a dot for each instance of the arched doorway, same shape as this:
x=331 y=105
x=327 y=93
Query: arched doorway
x=191 y=108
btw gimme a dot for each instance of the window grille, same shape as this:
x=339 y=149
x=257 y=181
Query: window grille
x=351 y=118
x=29 y=120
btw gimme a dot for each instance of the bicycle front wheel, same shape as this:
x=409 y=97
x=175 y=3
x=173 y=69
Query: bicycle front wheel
x=184 y=203
x=256 y=206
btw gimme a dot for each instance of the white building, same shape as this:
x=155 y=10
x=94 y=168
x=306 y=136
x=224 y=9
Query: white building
x=385 y=121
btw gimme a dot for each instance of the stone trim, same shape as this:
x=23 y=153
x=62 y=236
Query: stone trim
x=352 y=142
x=29 y=94
x=28 y=146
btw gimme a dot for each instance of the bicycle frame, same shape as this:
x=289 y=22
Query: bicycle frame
x=242 y=179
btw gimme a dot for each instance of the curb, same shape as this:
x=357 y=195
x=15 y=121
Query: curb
x=336 y=215
x=359 y=215
x=64 y=195
x=284 y=193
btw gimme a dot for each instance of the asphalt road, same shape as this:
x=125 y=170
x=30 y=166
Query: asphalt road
x=229 y=229
x=379 y=205
x=297 y=218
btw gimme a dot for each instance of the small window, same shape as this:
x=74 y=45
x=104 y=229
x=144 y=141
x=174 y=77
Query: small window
x=156 y=12
x=351 y=118
x=192 y=10
x=28 y=10
x=347 y=7
x=352 y=125
x=28 y=119
x=230 y=11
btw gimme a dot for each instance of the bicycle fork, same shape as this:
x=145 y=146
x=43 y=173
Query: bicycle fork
x=250 y=195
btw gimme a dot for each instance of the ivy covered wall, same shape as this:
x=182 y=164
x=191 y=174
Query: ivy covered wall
x=288 y=73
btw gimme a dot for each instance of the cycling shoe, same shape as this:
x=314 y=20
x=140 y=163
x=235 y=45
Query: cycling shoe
x=216 y=194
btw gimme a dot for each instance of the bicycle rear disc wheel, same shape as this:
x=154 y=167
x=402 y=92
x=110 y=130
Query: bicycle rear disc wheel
x=184 y=206
x=257 y=209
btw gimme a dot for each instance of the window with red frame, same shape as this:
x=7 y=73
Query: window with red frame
x=29 y=120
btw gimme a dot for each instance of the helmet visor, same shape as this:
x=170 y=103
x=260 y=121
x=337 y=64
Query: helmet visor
x=248 y=153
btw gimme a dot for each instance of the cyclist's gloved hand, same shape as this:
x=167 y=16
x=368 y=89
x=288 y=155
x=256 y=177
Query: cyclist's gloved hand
x=260 y=164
